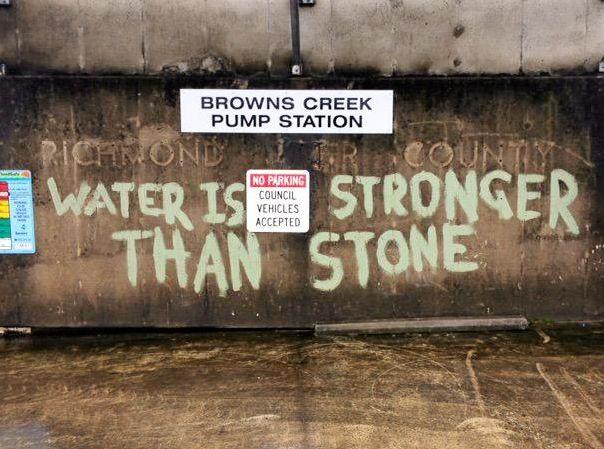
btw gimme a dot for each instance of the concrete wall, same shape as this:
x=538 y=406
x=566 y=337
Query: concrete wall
x=77 y=132
x=385 y=37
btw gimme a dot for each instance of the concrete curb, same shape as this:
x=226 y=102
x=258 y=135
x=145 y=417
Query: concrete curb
x=440 y=324
x=14 y=331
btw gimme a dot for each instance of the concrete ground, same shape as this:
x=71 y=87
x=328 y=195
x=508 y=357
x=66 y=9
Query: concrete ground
x=274 y=390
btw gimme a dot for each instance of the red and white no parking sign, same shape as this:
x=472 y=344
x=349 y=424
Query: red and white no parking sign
x=278 y=200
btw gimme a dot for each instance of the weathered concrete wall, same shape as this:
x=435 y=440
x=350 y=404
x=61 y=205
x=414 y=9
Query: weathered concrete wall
x=385 y=37
x=75 y=133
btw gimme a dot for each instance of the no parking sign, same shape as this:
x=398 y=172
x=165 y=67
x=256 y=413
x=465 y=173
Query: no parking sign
x=278 y=200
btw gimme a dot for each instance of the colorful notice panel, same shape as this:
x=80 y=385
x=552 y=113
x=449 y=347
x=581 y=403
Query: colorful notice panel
x=17 y=234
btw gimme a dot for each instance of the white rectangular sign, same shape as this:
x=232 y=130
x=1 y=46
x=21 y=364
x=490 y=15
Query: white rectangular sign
x=286 y=111
x=278 y=200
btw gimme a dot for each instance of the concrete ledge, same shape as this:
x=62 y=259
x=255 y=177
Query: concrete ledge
x=441 y=324
x=14 y=331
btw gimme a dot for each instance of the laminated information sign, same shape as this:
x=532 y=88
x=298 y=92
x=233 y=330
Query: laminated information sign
x=278 y=200
x=286 y=111
x=17 y=235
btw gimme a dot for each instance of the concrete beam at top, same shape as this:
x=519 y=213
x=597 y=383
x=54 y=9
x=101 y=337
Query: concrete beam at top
x=378 y=37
